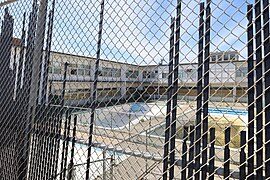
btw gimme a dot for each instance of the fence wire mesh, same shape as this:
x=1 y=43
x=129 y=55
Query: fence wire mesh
x=134 y=89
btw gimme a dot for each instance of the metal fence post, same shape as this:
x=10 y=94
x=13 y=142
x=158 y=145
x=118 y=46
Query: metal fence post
x=191 y=152
x=227 y=157
x=169 y=103
x=212 y=154
x=259 y=90
x=213 y=74
x=199 y=95
x=250 y=159
x=94 y=93
x=184 y=154
x=243 y=155
x=267 y=85
x=175 y=88
x=206 y=89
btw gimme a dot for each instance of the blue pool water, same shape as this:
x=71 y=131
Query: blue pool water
x=229 y=111
x=137 y=107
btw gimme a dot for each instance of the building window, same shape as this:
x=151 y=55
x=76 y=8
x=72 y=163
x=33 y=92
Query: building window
x=213 y=58
x=132 y=74
x=107 y=72
x=226 y=57
x=116 y=72
x=55 y=68
x=87 y=70
x=135 y=74
x=73 y=71
x=233 y=57
x=165 y=75
x=219 y=57
x=81 y=72
x=145 y=74
x=100 y=72
x=241 y=72
x=182 y=74
x=148 y=74
x=152 y=75
x=191 y=73
x=187 y=74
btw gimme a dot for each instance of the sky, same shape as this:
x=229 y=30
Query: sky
x=138 y=31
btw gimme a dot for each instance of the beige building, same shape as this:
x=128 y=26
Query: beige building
x=123 y=81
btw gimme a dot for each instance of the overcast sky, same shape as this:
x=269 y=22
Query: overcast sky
x=138 y=31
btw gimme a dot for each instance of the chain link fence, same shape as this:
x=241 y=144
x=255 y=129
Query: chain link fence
x=134 y=89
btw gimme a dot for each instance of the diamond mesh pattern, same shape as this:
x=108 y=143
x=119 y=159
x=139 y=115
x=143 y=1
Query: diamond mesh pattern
x=134 y=90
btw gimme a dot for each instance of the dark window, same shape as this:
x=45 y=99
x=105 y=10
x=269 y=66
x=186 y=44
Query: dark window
x=57 y=70
x=226 y=57
x=213 y=58
x=132 y=74
x=232 y=57
x=148 y=74
x=88 y=72
x=81 y=72
x=73 y=71
x=165 y=75
x=241 y=72
x=100 y=72
x=219 y=57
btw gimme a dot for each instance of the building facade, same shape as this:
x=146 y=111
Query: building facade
x=123 y=81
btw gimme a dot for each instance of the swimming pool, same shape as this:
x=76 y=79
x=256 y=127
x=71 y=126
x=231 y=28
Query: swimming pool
x=228 y=111
x=235 y=115
x=121 y=116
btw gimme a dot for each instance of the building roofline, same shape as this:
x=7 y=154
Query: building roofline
x=194 y=63
x=216 y=62
x=151 y=65
x=17 y=42
x=92 y=58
